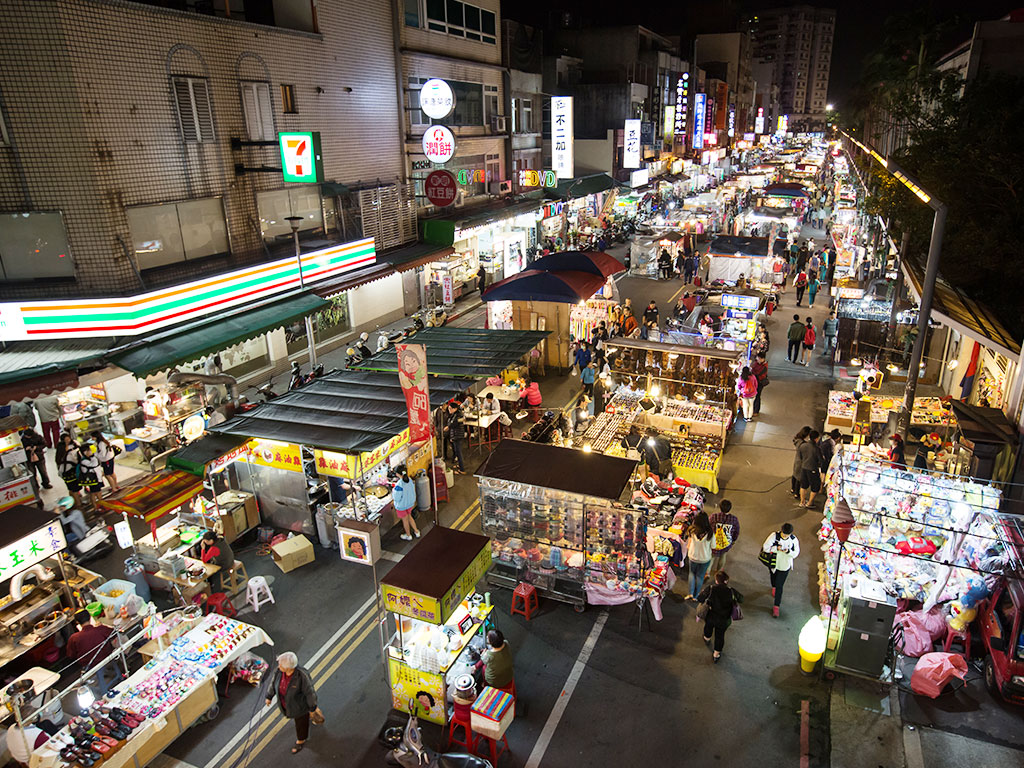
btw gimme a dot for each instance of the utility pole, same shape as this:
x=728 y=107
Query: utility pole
x=890 y=334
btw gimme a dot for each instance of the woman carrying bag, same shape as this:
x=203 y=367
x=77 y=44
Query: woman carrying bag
x=293 y=687
x=778 y=552
x=720 y=605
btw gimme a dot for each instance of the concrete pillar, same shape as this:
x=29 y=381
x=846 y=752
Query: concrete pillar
x=277 y=345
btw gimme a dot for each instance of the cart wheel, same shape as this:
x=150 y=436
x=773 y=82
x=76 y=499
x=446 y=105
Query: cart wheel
x=211 y=713
x=830 y=675
x=579 y=607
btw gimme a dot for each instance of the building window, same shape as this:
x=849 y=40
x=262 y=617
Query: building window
x=34 y=245
x=493 y=167
x=468 y=110
x=195 y=115
x=461 y=19
x=491 y=102
x=172 y=232
x=288 y=99
x=527 y=118
x=412 y=13
x=277 y=205
x=515 y=115
x=259 y=111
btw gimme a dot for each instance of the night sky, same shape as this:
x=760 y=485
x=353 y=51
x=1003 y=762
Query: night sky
x=858 y=24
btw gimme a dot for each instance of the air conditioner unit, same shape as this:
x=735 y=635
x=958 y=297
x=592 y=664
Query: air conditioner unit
x=498 y=123
x=500 y=187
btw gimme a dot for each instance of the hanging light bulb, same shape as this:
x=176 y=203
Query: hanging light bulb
x=655 y=390
x=587 y=448
x=952 y=364
x=85 y=697
x=892 y=367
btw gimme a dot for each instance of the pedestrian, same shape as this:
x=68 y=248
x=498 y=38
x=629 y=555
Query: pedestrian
x=746 y=388
x=760 y=370
x=457 y=431
x=658 y=455
x=35 y=455
x=681 y=264
x=830 y=330
x=810 y=469
x=897 y=451
x=296 y=696
x=664 y=265
x=828 y=446
x=90 y=645
x=721 y=600
x=698 y=554
x=725 y=530
x=795 y=336
x=810 y=337
x=587 y=379
x=786 y=547
x=928 y=442
x=798 y=439
x=583 y=355
x=68 y=456
x=48 y=408
x=812 y=287
x=90 y=473
x=105 y=452
x=629 y=324
x=404 y=497
x=651 y=313
x=628 y=259
x=800 y=283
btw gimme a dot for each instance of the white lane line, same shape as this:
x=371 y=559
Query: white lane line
x=166 y=761
x=563 y=698
x=330 y=645
x=912 y=748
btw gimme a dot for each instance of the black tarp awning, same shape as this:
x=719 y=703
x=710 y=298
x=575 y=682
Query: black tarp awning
x=348 y=411
x=983 y=425
x=196 y=455
x=562 y=469
x=21 y=520
x=468 y=352
x=729 y=245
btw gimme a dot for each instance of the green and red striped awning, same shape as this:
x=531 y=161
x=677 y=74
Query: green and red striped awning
x=154 y=495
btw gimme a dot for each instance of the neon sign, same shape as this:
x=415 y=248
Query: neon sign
x=528 y=178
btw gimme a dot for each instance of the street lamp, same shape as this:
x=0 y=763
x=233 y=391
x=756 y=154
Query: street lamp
x=829 y=107
x=931 y=274
x=294 y=221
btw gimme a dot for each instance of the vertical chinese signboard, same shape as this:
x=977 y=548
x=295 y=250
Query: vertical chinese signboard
x=562 y=136
x=682 y=106
x=300 y=156
x=699 y=105
x=631 y=145
x=412 y=374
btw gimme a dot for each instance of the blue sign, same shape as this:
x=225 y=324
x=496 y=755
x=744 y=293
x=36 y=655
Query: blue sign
x=741 y=301
x=699 y=104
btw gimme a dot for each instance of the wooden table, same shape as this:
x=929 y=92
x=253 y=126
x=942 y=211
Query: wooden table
x=192 y=586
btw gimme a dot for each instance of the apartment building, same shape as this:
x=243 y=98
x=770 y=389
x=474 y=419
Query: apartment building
x=798 y=41
x=523 y=57
x=138 y=141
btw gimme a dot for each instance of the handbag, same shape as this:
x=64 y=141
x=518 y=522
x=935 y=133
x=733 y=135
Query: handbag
x=702 y=611
x=737 y=612
x=316 y=717
x=768 y=558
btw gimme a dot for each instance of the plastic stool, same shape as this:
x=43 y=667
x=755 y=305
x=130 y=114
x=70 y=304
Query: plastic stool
x=220 y=602
x=958 y=636
x=487 y=741
x=235 y=580
x=470 y=739
x=511 y=690
x=258 y=593
x=524 y=600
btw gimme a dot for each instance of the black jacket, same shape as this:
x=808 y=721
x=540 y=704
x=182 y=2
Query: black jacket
x=720 y=599
x=299 y=697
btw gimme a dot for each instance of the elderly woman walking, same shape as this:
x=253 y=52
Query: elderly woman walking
x=296 y=696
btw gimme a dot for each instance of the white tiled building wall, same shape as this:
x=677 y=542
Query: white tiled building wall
x=87 y=101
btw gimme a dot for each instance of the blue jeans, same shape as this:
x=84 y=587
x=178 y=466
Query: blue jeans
x=695 y=581
x=457 y=450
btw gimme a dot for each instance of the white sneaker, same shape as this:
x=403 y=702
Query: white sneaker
x=405 y=537
x=416 y=534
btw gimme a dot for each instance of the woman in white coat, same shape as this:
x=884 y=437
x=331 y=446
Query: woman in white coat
x=786 y=548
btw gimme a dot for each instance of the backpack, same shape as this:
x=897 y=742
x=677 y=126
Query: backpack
x=723 y=536
x=809 y=337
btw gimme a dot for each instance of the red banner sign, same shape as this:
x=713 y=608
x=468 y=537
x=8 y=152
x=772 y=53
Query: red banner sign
x=412 y=373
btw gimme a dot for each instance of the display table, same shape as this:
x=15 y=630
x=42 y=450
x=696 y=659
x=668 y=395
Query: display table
x=928 y=411
x=705 y=478
x=599 y=594
x=505 y=394
x=192 y=586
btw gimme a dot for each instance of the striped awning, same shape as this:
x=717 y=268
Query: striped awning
x=154 y=495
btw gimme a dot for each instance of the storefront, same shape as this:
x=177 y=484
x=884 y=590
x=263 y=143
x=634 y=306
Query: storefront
x=431 y=595
x=864 y=327
x=17 y=482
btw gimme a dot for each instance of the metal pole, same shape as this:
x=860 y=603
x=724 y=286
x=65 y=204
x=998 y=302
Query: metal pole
x=890 y=334
x=924 y=313
x=294 y=221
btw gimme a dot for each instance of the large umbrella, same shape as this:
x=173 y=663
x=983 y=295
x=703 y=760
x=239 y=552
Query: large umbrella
x=787 y=189
x=593 y=262
x=567 y=286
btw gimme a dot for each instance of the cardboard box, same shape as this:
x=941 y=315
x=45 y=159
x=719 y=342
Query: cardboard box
x=292 y=553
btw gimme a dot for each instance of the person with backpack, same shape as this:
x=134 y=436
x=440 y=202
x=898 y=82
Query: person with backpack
x=800 y=283
x=810 y=337
x=795 y=336
x=746 y=388
x=812 y=287
x=698 y=553
x=725 y=532
x=780 y=549
x=810 y=468
x=722 y=603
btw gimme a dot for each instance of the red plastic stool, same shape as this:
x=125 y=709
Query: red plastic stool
x=220 y=602
x=496 y=752
x=958 y=636
x=511 y=690
x=470 y=739
x=524 y=600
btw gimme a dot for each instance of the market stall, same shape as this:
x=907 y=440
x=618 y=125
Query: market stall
x=734 y=257
x=557 y=520
x=930 y=413
x=17 y=484
x=437 y=616
x=864 y=326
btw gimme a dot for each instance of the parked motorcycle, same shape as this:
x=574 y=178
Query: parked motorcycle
x=266 y=390
x=86 y=543
x=410 y=752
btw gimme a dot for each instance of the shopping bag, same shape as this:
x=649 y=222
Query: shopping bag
x=935 y=670
x=737 y=612
x=767 y=559
x=316 y=717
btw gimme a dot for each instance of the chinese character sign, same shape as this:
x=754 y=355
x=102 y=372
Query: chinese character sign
x=438 y=144
x=300 y=156
x=732 y=121
x=412 y=374
x=271 y=453
x=668 y=124
x=631 y=145
x=436 y=99
x=699 y=105
x=759 y=121
x=682 y=98
x=22 y=554
x=562 y=136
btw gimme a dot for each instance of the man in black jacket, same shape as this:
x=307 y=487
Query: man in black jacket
x=456 y=434
x=795 y=336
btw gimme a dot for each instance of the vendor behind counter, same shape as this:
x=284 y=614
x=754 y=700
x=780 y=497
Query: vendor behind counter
x=214 y=549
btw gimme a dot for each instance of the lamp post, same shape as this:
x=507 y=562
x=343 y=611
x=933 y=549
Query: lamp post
x=294 y=221
x=931 y=273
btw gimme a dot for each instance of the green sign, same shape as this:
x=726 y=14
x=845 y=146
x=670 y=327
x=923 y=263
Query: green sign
x=300 y=156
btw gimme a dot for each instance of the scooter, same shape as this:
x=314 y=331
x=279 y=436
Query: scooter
x=85 y=543
x=410 y=751
x=297 y=378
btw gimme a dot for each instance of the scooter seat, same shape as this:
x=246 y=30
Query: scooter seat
x=461 y=760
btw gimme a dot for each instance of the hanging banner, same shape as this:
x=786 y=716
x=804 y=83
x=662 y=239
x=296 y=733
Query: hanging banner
x=562 y=136
x=699 y=105
x=273 y=453
x=631 y=145
x=412 y=374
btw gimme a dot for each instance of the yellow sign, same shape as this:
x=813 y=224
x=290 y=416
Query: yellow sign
x=271 y=453
x=412 y=604
x=465 y=583
x=425 y=689
x=347 y=465
x=381 y=452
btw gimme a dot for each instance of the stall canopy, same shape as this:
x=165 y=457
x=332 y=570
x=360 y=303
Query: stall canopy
x=562 y=469
x=194 y=457
x=581 y=186
x=732 y=257
x=21 y=520
x=727 y=245
x=463 y=352
x=153 y=496
x=593 y=262
x=165 y=349
x=567 y=287
x=787 y=189
x=347 y=411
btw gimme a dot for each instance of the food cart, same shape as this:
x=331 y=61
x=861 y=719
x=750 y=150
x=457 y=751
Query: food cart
x=436 y=618
x=17 y=485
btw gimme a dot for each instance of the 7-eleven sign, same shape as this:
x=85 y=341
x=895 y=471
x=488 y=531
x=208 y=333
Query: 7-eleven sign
x=300 y=156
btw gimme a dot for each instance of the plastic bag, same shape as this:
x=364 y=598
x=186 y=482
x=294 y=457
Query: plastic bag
x=916 y=639
x=935 y=670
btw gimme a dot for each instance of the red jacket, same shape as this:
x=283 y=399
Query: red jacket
x=532 y=394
